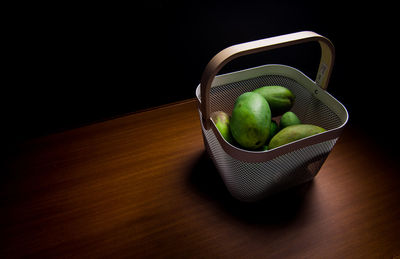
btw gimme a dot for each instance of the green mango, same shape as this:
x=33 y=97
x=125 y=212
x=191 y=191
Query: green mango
x=288 y=119
x=273 y=130
x=279 y=98
x=293 y=133
x=222 y=121
x=250 y=120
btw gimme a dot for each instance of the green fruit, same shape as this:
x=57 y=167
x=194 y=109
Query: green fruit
x=250 y=121
x=279 y=98
x=288 y=119
x=222 y=120
x=273 y=130
x=293 y=133
x=264 y=148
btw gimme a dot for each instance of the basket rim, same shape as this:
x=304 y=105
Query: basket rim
x=273 y=69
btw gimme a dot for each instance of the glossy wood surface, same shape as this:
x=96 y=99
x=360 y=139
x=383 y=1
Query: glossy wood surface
x=142 y=186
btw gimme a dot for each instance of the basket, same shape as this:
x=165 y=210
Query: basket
x=253 y=175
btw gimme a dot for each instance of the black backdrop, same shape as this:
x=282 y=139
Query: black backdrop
x=72 y=64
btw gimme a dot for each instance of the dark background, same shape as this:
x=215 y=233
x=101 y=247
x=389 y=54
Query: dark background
x=70 y=64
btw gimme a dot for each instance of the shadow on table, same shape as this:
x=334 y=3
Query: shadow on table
x=279 y=209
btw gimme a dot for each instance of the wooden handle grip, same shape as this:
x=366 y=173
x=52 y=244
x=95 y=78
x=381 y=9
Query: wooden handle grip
x=235 y=51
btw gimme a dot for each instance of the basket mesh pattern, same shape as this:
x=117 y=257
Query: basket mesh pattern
x=253 y=181
x=249 y=181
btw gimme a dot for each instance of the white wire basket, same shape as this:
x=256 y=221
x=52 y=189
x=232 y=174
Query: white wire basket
x=253 y=175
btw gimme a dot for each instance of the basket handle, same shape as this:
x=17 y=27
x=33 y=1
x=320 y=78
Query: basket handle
x=235 y=51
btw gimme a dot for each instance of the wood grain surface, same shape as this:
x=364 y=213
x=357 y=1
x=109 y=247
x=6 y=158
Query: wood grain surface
x=142 y=186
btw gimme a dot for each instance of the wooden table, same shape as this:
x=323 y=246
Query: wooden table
x=143 y=186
